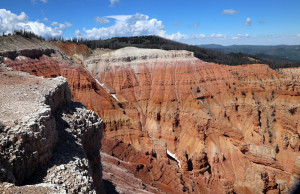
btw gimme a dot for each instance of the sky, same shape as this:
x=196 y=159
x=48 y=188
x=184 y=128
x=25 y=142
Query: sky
x=225 y=22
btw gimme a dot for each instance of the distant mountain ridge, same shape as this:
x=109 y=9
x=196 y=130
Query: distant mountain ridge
x=275 y=52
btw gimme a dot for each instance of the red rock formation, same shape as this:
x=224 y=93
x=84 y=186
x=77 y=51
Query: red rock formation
x=232 y=128
x=78 y=52
x=82 y=85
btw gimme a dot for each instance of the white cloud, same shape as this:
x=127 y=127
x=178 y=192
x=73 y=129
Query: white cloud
x=298 y=35
x=197 y=36
x=65 y=25
x=44 y=1
x=45 y=19
x=112 y=2
x=248 y=22
x=102 y=20
x=220 y=36
x=238 y=36
x=68 y=24
x=10 y=22
x=230 y=11
x=176 y=36
x=54 y=23
x=130 y=25
x=213 y=35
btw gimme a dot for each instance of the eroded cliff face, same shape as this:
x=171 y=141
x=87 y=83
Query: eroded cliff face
x=231 y=128
x=46 y=140
x=173 y=123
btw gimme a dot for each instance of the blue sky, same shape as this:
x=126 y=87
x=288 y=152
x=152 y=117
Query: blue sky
x=223 y=22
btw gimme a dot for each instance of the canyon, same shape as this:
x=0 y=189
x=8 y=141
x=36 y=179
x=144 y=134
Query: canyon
x=172 y=123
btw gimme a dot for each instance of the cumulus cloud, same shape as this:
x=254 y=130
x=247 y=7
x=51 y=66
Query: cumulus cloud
x=220 y=36
x=238 y=36
x=175 y=36
x=112 y=2
x=229 y=11
x=298 y=35
x=130 y=25
x=45 y=19
x=197 y=36
x=213 y=35
x=54 y=23
x=44 y=1
x=248 y=22
x=102 y=20
x=61 y=26
x=68 y=24
x=10 y=22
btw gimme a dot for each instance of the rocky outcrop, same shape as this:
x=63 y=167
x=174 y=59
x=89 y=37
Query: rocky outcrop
x=78 y=52
x=31 y=53
x=84 y=88
x=28 y=139
x=132 y=54
x=46 y=139
x=75 y=165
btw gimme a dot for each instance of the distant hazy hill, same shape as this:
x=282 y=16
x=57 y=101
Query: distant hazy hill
x=278 y=52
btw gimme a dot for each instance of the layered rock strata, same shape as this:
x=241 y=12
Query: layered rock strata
x=84 y=88
x=231 y=129
x=221 y=122
x=43 y=142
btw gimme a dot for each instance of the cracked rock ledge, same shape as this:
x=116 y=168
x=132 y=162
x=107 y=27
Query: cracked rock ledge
x=48 y=143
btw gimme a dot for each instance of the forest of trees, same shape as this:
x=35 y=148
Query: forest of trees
x=27 y=34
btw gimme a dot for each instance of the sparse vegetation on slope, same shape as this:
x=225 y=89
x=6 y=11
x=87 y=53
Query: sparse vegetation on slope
x=165 y=44
x=205 y=54
x=27 y=34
